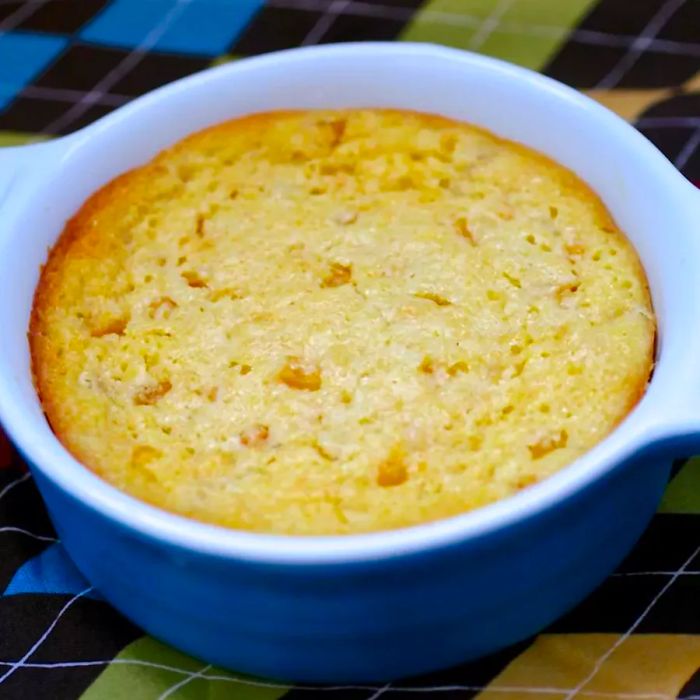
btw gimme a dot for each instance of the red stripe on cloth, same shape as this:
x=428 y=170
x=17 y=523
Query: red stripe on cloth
x=5 y=452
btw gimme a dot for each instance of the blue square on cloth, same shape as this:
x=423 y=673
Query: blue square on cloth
x=201 y=27
x=24 y=55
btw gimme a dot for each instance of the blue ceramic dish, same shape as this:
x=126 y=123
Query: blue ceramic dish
x=385 y=605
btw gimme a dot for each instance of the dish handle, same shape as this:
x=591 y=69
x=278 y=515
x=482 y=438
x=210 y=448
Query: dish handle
x=20 y=163
x=677 y=431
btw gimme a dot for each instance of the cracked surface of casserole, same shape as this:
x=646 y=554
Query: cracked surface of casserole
x=339 y=322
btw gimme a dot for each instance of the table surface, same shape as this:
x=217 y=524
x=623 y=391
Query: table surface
x=65 y=63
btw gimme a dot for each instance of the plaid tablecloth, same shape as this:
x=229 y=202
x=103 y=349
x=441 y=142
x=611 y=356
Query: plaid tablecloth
x=64 y=63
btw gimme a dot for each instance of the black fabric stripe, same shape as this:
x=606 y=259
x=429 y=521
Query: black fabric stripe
x=89 y=630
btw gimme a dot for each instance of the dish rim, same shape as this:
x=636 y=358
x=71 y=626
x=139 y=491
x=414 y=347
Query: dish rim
x=639 y=431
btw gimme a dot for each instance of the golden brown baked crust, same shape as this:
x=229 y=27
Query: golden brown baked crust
x=335 y=322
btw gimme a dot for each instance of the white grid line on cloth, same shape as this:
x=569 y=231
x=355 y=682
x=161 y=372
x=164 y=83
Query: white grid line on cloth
x=24 y=11
x=18 y=664
x=379 y=692
x=21 y=531
x=646 y=36
x=679 y=48
x=120 y=70
x=624 y=574
x=27 y=2
x=585 y=36
x=687 y=151
x=325 y=22
x=621 y=640
x=667 y=122
x=369 y=688
x=8 y=487
x=65 y=95
x=183 y=682
x=490 y=24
